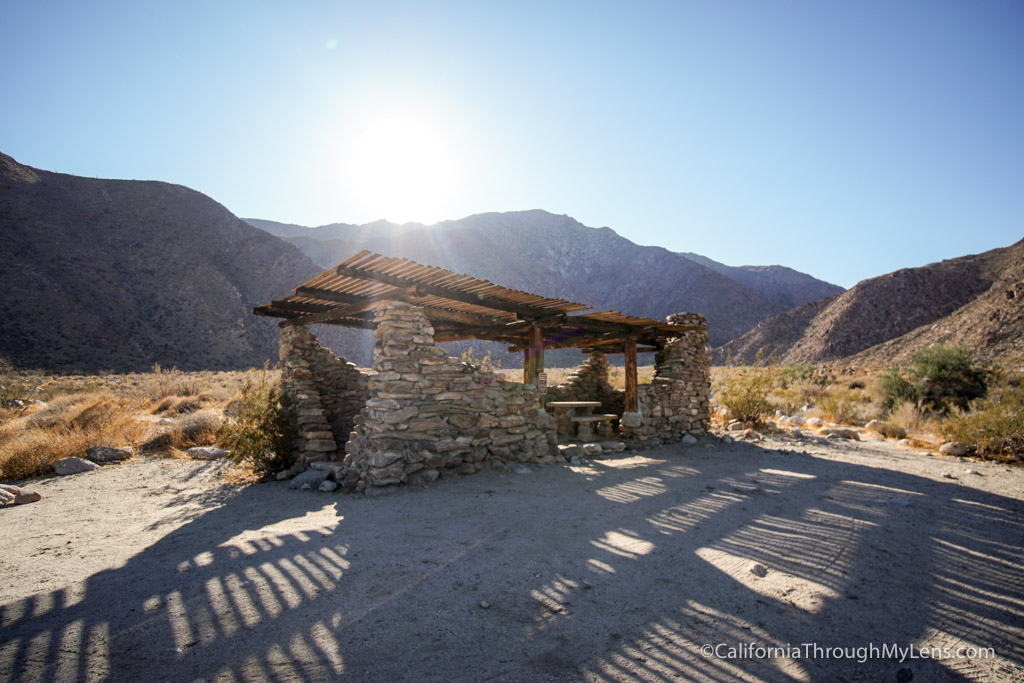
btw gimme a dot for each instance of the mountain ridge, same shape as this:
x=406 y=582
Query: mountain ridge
x=556 y=255
x=972 y=301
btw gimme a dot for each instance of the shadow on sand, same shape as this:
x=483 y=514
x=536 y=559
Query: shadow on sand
x=610 y=572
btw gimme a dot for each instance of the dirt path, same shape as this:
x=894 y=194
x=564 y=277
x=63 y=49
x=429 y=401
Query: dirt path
x=621 y=570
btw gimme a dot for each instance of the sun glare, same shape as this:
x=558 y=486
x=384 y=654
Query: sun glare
x=400 y=166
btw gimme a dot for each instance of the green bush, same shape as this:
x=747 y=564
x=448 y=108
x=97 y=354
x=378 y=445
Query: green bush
x=946 y=377
x=261 y=430
x=994 y=428
x=939 y=379
x=746 y=395
x=896 y=389
x=797 y=372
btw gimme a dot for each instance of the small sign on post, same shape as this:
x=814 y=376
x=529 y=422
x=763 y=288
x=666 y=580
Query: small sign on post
x=542 y=383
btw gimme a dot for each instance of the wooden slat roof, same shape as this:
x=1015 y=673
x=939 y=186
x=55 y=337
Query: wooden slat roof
x=459 y=306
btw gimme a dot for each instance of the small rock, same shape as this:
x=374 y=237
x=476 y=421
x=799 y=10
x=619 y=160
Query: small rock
x=726 y=439
x=750 y=435
x=165 y=421
x=327 y=486
x=970 y=471
x=758 y=569
x=690 y=439
x=281 y=476
x=798 y=434
x=948 y=475
x=592 y=449
x=73 y=465
x=735 y=426
x=613 y=446
x=27 y=497
x=485 y=604
x=953 y=448
x=815 y=422
x=308 y=480
x=840 y=433
x=576 y=461
x=520 y=468
x=207 y=452
x=748 y=489
x=569 y=450
x=101 y=454
x=797 y=420
x=907 y=442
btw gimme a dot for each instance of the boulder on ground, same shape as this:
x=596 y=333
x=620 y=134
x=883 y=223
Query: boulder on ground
x=102 y=454
x=815 y=422
x=954 y=448
x=887 y=429
x=72 y=465
x=308 y=480
x=207 y=452
x=840 y=433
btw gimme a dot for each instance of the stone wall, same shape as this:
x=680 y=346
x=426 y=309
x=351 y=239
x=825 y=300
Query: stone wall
x=429 y=415
x=327 y=392
x=675 y=403
x=589 y=382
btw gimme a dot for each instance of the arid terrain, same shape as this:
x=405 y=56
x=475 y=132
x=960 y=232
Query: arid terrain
x=619 y=569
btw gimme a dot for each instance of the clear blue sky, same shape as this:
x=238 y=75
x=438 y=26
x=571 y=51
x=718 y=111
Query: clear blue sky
x=844 y=139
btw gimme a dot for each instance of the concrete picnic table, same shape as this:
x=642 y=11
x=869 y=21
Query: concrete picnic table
x=566 y=410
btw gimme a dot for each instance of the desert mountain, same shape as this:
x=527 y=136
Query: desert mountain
x=120 y=274
x=973 y=301
x=783 y=287
x=558 y=256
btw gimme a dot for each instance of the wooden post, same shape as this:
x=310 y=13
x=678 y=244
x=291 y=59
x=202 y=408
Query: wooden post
x=631 y=405
x=533 y=356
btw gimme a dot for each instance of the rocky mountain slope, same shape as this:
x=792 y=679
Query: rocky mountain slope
x=118 y=275
x=783 y=287
x=558 y=256
x=972 y=301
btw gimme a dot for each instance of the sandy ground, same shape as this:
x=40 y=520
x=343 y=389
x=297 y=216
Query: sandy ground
x=618 y=571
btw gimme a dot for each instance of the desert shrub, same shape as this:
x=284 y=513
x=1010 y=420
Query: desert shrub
x=839 y=406
x=487 y=361
x=261 y=430
x=796 y=373
x=163 y=383
x=946 y=377
x=908 y=415
x=994 y=428
x=895 y=389
x=746 y=395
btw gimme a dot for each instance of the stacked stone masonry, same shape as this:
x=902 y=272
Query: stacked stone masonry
x=676 y=401
x=589 y=382
x=429 y=414
x=421 y=414
x=326 y=392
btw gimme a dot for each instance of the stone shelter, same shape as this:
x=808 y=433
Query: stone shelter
x=419 y=414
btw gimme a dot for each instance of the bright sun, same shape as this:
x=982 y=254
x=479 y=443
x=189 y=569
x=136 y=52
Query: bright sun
x=400 y=166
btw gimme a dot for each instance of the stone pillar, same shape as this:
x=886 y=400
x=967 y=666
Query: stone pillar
x=315 y=439
x=675 y=403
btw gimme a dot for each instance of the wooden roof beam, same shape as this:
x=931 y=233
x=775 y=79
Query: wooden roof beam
x=444 y=292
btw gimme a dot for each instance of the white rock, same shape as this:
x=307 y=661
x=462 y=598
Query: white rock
x=73 y=465
x=327 y=486
x=954 y=448
x=592 y=449
x=815 y=422
x=520 y=468
x=797 y=420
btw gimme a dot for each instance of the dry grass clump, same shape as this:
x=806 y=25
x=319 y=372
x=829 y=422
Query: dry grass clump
x=908 y=415
x=994 y=428
x=66 y=427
